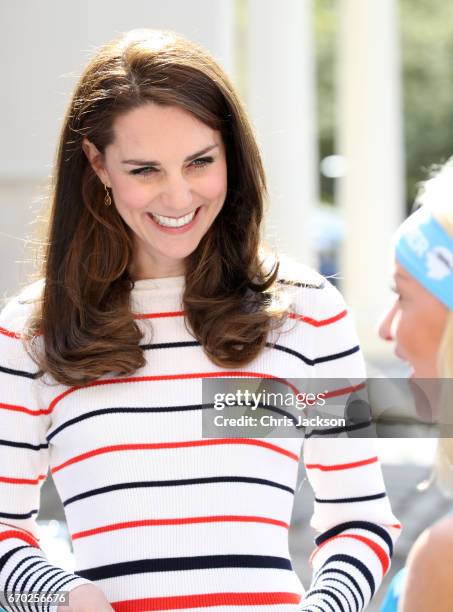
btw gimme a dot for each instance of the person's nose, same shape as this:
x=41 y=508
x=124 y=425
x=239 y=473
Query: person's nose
x=385 y=323
x=177 y=198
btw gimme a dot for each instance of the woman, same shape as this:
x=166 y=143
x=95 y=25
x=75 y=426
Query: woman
x=420 y=322
x=154 y=278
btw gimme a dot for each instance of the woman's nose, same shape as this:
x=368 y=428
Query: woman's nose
x=177 y=196
x=385 y=324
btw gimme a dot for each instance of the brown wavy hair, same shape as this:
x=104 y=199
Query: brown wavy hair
x=231 y=301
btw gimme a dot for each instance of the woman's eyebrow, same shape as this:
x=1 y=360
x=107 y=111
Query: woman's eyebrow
x=141 y=162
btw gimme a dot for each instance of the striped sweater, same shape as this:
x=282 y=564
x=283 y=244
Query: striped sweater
x=163 y=519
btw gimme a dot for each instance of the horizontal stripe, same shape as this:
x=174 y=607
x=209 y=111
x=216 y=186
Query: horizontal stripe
x=166 y=445
x=34 y=447
x=179 y=521
x=318 y=322
x=337 y=430
x=10 y=334
x=271 y=345
x=158 y=409
x=343 y=500
x=19 y=535
x=162 y=377
x=340 y=466
x=158 y=315
x=202 y=600
x=366 y=525
x=179 y=564
x=361 y=567
x=323 y=571
x=20 y=529
x=15 y=408
x=18 y=516
x=312 y=362
x=346 y=586
x=190 y=407
x=23 y=373
x=378 y=550
x=329 y=593
x=176 y=483
x=28 y=481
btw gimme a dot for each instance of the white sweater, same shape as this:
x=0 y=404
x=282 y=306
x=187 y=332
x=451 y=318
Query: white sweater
x=164 y=519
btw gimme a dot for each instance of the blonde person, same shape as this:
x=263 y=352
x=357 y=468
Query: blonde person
x=154 y=279
x=420 y=323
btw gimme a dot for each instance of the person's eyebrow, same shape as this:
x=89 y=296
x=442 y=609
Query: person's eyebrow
x=141 y=162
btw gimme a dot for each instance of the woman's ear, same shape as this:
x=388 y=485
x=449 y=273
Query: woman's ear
x=96 y=160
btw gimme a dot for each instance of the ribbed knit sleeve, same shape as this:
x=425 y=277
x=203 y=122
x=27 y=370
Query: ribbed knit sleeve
x=352 y=514
x=24 y=463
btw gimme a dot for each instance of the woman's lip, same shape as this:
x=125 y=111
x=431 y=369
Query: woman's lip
x=175 y=230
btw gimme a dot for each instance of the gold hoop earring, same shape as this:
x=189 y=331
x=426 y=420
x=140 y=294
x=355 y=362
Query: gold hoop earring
x=107 y=198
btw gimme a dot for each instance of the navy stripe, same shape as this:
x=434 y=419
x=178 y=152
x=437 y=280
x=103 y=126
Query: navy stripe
x=175 y=483
x=337 y=590
x=137 y=410
x=14 y=587
x=341 y=500
x=356 y=601
x=283 y=281
x=328 y=570
x=361 y=567
x=279 y=347
x=23 y=445
x=175 y=564
x=326 y=601
x=22 y=373
x=18 y=516
x=380 y=531
x=337 y=430
x=312 y=362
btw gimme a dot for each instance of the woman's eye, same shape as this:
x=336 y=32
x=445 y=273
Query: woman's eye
x=202 y=161
x=143 y=171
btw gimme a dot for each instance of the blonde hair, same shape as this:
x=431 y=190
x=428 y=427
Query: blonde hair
x=437 y=194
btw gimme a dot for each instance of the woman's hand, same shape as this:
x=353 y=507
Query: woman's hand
x=86 y=598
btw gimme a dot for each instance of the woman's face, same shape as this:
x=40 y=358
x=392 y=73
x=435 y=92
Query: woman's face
x=163 y=165
x=415 y=322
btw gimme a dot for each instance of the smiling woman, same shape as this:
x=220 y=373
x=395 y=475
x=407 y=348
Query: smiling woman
x=170 y=203
x=155 y=279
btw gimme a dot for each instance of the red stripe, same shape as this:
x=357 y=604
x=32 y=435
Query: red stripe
x=180 y=521
x=31 y=481
x=181 y=313
x=334 y=393
x=194 y=375
x=378 y=550
x=160 y=445
x=318 y=323
x=292 y=315
x=23 y=409
x=20 y=535
x=345 y=390
x=8 y=333
x=178 y=602
x=15 y=527
x=158 y=315
x=340 y=466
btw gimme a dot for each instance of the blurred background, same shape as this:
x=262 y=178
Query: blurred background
x=352 y=102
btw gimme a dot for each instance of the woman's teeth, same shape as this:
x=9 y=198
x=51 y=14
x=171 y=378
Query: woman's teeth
x=172 y=222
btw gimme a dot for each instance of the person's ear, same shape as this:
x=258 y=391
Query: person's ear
x=96 y=160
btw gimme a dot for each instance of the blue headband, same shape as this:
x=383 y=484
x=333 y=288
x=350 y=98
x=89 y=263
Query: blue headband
x=425 y=250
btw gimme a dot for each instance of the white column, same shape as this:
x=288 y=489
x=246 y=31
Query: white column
x=280 y=92
x=371 y=194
